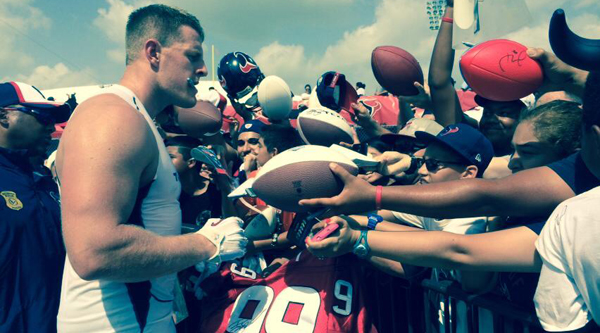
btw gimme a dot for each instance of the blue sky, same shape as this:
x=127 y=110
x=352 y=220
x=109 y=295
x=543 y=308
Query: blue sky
x=61 y=43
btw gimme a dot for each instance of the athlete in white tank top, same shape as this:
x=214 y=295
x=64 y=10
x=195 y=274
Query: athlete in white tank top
x=109 y=306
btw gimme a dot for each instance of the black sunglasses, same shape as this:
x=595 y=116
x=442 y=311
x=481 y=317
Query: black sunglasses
x=42 y=118
x=432 y=164
x=251 y=141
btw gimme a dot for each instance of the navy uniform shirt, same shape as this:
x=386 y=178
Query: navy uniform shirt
x=32 y=253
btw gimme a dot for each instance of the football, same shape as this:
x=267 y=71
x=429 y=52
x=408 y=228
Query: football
x=300 y=173
x=323 y=127
x=500 y=70
x=396 y=70
x=202 y=119
x=275 y=98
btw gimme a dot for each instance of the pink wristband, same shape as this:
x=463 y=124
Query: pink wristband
x=378 y=197
x=447 y=20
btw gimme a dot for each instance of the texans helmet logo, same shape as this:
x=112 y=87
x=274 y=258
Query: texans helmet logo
x=373 y=105
x=248 y=63
x=450 y=131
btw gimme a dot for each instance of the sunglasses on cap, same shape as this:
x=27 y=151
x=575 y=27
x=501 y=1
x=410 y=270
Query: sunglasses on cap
x=42 y=118
x=431 y=164
x=408 y=146
x=251 y=141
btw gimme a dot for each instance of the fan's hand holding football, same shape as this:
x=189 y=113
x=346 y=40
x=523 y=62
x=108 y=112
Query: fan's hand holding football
x=557 y=74
x=228 y=238
x=357 y=196
x=338 y=243
x=422 y=99
x=392 y=163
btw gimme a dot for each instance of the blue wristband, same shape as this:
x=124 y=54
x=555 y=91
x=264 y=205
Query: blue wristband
x=373 y=220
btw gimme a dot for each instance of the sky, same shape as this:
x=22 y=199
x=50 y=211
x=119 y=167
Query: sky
x=64 y=43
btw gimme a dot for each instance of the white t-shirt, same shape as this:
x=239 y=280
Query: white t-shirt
x=463 y=226
x=568 y=293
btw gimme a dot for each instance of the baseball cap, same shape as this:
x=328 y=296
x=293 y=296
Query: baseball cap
x=412 y=126
x=18 y=93
x=466 y=141
x=255 y=126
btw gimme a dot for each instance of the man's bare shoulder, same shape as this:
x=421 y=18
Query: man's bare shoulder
x=108 y=128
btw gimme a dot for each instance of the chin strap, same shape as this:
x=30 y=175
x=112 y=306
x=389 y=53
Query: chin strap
x=574 y=50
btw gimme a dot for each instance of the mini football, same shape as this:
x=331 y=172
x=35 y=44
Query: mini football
x=300 y=173
x=204 y=118
x=323 y=127
x=500 y=70
x=396 y=70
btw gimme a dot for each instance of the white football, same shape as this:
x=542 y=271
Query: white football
x=275 y=98
x=323 y=127
x=300 y=173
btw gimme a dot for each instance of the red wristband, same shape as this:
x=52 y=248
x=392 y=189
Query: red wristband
x=447 y=19
x=378 y=197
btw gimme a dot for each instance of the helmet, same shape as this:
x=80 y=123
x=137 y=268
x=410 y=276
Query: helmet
x=334 y=92
x=239 y=74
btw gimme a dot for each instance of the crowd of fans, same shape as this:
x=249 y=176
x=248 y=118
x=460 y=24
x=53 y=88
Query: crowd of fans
x=505 y=204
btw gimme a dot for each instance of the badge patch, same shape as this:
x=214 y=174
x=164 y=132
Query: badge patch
x=11 y=199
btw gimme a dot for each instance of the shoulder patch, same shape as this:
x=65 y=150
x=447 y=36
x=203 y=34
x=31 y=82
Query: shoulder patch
x=11 y=199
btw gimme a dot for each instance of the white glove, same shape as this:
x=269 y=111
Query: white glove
x=228 y=237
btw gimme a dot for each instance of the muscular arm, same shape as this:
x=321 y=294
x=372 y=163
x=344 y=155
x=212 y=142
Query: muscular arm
x=104 y=158
x=446 y=106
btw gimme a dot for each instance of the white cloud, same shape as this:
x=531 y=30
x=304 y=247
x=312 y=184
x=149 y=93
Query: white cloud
x=17 y=20
x=397 y=22
x=112 y=22
x=46 y=77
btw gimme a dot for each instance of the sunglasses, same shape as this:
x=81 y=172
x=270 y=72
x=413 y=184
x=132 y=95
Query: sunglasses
x=251 y=141
x=42 y=118
x=431 y=164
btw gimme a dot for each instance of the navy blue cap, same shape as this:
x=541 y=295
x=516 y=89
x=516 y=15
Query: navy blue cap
x=466 y=141
x=18 y=93
x=255 y=126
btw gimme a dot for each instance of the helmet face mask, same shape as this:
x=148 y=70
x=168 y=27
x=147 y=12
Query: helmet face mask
x=239 y=75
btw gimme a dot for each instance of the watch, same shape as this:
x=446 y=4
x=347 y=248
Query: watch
x=361 y=247
x=274 y=239
x=373 y=220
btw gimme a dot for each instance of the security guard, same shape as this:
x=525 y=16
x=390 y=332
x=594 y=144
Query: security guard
x=31 y=247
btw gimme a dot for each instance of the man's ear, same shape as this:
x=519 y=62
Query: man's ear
x=274 y=151
x=470 y=172
x=191 y=163
x=152 y=50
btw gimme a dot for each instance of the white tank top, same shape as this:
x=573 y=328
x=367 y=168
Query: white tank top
x=109 y=306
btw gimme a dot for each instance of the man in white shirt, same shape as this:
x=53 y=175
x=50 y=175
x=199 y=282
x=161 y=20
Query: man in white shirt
x=568 y=293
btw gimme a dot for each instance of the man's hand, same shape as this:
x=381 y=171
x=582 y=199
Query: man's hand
x=392 y=163
x=338 y=243
x=422 y=99
x=228 y=238
x=557 y=74
x=250 y=162
x=357 y=196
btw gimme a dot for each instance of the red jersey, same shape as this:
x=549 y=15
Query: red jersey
x=304 y=295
